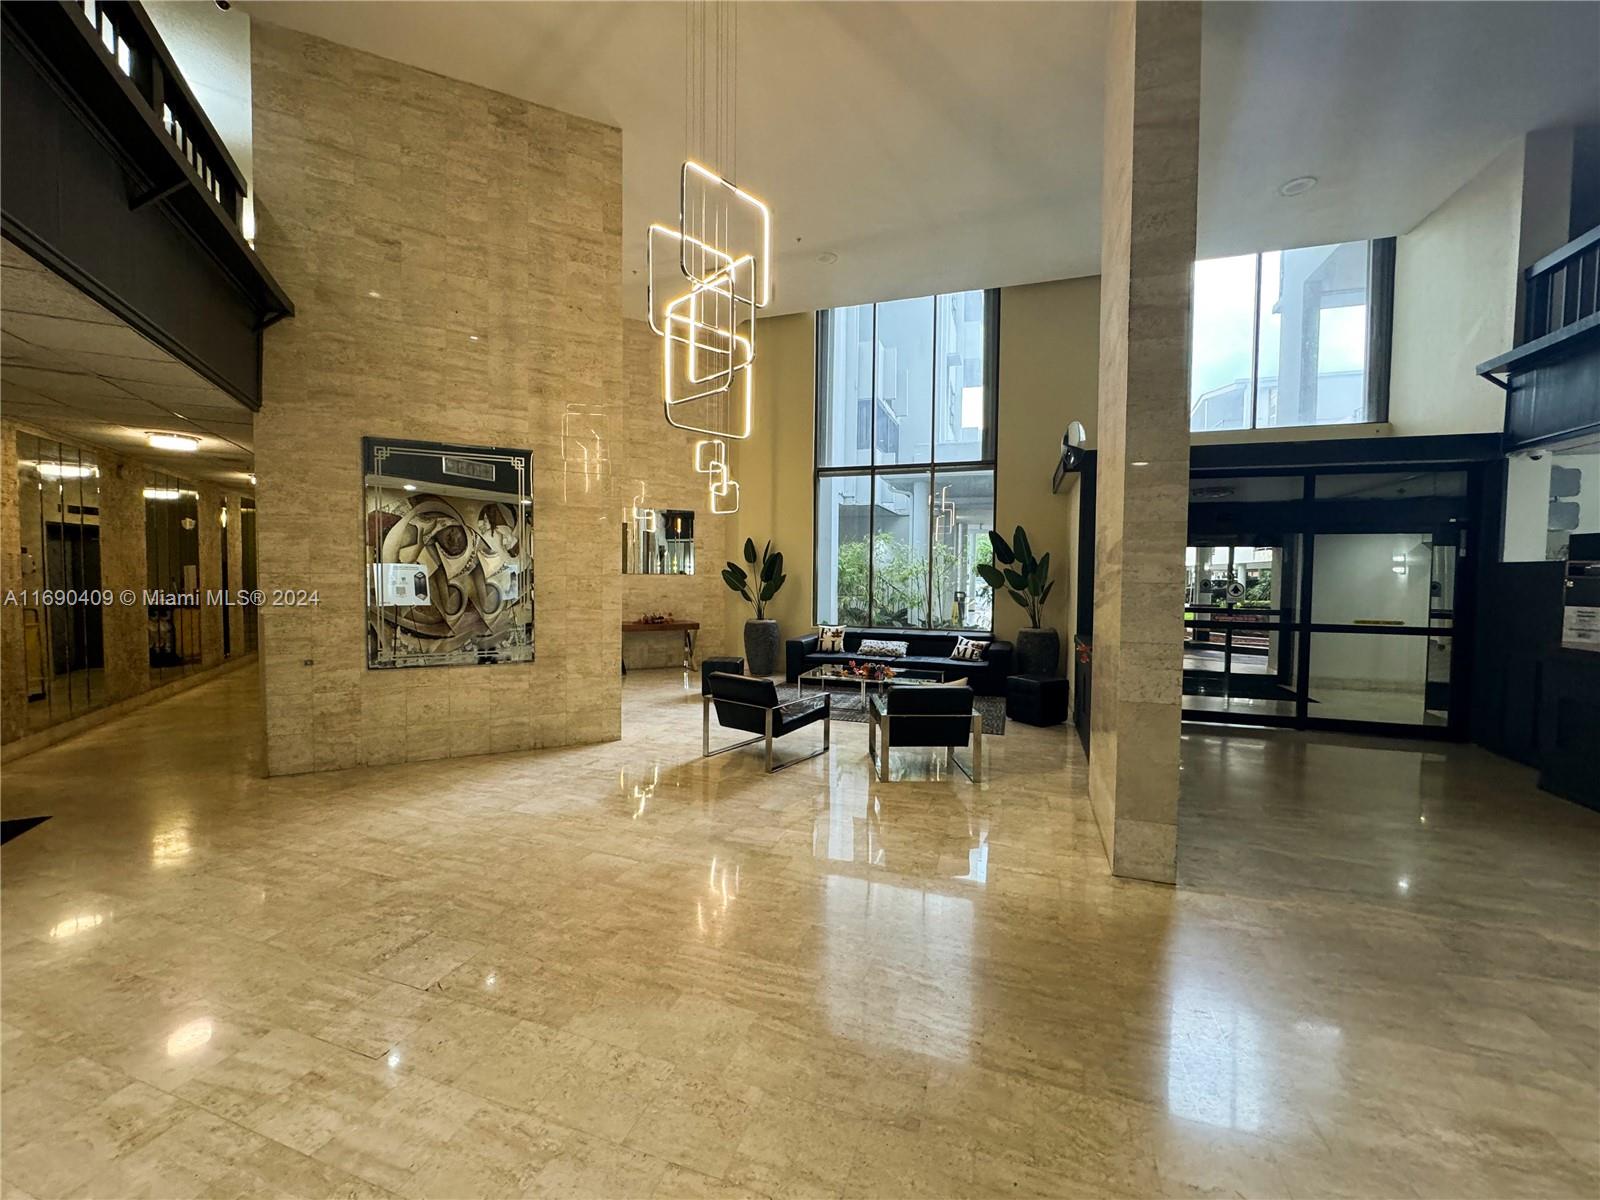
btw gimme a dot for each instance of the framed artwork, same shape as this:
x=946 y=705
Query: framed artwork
x=449 y=554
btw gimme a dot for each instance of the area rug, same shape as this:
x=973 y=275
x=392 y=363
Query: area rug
x=847 y=706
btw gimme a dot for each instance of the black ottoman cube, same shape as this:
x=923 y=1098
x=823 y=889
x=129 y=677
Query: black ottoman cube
x=1037 y=699
x=710 y=666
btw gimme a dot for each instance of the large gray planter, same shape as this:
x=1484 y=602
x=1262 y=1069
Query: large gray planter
x=761 y=647
x=1038 y=652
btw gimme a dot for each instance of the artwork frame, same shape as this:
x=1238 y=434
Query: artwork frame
x=447 y=551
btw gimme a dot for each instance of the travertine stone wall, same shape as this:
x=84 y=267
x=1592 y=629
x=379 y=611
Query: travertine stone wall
x=657 y=461
x=1141 y=506
x=408 y=214
x=123 y=566
x=13 y=683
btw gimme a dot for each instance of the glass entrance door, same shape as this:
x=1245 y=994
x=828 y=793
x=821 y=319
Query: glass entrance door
x=1382 y=630
x=1239 y=637
x=1328 y=599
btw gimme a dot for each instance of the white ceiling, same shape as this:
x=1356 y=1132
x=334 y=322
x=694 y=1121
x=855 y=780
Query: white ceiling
x=938 y=146
x=73 y=367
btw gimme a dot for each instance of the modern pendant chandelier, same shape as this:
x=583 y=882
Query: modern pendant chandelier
x=706 y=278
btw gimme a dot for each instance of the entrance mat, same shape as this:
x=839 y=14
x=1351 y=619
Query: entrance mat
x=17 y=825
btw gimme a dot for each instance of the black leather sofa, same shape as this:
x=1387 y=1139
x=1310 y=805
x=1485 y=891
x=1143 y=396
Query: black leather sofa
x=928 y=650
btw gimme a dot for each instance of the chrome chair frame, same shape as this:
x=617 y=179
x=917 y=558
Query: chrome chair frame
x=705 y=729
x=880 y=741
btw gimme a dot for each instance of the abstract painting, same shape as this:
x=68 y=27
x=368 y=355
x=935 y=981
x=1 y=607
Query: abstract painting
x=449 y=554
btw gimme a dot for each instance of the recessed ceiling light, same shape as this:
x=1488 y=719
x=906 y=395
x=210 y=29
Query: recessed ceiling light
x=173 y=441
x=472 y=337
x=410 y=487
x=1298 y=186
x=374 y=296
x=1141 y=462
x=827 y=258
x=252 y=480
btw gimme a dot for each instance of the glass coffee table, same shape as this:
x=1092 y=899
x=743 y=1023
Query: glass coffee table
x=824 y=675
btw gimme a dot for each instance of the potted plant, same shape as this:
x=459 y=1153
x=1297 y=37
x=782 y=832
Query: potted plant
x=760 y=634
x=1026 y=580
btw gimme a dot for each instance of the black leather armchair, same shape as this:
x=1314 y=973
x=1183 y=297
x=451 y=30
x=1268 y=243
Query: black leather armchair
x=920 y=715
x=751 y=705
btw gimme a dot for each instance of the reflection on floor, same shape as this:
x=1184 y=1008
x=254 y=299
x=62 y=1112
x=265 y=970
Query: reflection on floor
x=624 y=971
x=1345 y=704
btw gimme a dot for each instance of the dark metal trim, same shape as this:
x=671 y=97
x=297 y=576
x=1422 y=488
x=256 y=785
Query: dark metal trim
x=1560 y=255
x=1380 y=325
x=1435 y=452
x=155 y=194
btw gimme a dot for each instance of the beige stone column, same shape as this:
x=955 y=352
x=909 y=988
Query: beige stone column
x=1141 y=506
x=124 y=627
x=209 y=507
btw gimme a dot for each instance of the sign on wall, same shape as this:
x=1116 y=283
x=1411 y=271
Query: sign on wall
x=449 y=554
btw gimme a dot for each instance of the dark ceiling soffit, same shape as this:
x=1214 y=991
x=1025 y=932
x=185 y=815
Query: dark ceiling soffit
x=1347 y=452
x=54 y=34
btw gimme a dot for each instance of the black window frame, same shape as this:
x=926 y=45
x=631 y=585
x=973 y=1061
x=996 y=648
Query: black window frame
x=872 y=469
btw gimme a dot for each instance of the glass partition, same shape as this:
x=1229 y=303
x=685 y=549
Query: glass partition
x=172 y=576
x=58 y=501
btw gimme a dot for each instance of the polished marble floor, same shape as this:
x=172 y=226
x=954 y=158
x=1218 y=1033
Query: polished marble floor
x=623 y=971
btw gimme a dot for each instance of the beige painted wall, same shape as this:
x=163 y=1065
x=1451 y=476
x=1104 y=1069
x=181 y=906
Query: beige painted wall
x=1049 y=359
x=470 y=214
x=656 y=461
x=1455 y=289
x=774 y=471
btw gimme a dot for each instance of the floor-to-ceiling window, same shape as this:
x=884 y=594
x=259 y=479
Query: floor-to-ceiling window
x=905 y=461
x=1291 y=337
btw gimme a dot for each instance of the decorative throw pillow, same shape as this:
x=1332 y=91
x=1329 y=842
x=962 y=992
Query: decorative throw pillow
x=968 y=650
x=883 y=649
x=830 y=639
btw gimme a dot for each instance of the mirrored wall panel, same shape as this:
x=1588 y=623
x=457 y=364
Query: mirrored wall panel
x=449 y=554
x=658 y=541
x=172 y=577
x=58 y=502
x=249 y=580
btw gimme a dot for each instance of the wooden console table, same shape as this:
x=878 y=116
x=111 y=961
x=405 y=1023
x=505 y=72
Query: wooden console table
x=687 y=628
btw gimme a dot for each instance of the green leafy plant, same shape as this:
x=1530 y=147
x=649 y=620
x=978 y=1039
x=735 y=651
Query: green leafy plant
x=1018 y=573
x=769 y=576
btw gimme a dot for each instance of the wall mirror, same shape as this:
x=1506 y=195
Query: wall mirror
x=449 y=554
x=58 y=503
x=172 y=575
x=658 y=541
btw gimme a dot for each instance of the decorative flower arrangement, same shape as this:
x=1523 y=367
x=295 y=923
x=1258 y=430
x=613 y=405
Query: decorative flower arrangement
x=874 y=671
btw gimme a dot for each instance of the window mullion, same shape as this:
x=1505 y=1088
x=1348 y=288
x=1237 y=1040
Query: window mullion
x=872 y=471
x=1255 y=350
